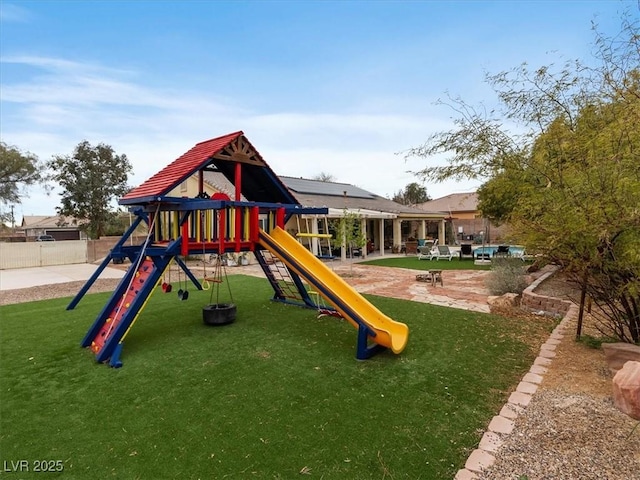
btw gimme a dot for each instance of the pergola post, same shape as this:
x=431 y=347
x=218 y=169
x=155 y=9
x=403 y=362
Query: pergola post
x=363 y=229
x=397 y=232
x=381 y=236
x=422 y=229
x=441 y=234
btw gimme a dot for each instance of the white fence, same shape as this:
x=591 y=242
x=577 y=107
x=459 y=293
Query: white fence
x=42 y=254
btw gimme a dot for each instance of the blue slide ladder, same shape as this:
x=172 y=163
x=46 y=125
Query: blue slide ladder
x=283 y=290
x=364 y=348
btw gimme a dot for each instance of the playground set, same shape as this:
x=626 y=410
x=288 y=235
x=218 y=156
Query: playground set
x=253 y=220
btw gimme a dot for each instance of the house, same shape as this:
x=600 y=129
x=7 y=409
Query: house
x=213 y=182
x=466 y=223
x=59 y=227
x=387 y=224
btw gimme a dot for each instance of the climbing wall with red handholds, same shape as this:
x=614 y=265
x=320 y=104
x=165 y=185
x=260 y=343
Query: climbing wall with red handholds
x=122 y=307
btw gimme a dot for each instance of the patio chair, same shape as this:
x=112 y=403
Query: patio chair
x=502 y=251
x=443 y=251
x=518 y=252
x=424 y=251
x=466 y=250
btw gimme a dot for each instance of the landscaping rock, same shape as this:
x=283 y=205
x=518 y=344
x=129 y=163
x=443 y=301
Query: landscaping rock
x=508 y=300
x=626 y=389
x=617 y=354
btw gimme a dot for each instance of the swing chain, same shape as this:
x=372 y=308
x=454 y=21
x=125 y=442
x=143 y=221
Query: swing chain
x=220 y=270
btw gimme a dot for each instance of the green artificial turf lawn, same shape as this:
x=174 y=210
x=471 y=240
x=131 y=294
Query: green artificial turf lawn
x=273 y=395
x=411 y=261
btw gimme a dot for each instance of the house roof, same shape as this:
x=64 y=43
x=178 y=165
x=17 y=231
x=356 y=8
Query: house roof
x=220 y=183
x=333 y=189
x=221 y=154
x=315 y=193
x=455 y=202
x=53 y=221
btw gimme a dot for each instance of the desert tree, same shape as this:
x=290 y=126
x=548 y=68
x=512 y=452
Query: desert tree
x=560 y=157
x=324 y=177
x=18 y=171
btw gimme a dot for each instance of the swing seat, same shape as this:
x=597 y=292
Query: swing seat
x=325 y=312
x=183 y=294
x=166 y=287
x=213 y=280
x=207 y=281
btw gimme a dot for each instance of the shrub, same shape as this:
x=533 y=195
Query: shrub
x=507 y=276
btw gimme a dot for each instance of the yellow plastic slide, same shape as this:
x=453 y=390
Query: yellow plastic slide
x=353 y=306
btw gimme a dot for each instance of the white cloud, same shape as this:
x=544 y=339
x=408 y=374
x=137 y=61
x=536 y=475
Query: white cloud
x=10 y=12
x=65 y=102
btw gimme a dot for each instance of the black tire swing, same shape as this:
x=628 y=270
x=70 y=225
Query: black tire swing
x=217 y=313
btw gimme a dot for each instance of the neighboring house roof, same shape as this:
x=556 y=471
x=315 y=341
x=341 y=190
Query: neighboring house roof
x=55 y=221
x=315 y=193
x=455 y=202
x=333 y=189
x=221 y=154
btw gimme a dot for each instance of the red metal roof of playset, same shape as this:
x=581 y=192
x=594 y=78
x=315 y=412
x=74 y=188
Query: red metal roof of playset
x=259 y=182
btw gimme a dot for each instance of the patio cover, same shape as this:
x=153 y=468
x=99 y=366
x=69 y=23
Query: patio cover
x=363 y=212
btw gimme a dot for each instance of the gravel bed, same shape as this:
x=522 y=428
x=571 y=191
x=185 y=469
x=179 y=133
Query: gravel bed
x=566 y=435
x=571 y=430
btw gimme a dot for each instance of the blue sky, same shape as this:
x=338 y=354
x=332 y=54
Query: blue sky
x=317 y=86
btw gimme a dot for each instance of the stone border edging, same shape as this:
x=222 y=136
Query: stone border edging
x=502 y=424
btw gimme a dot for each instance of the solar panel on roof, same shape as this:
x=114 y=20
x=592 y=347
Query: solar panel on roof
x=316 y=187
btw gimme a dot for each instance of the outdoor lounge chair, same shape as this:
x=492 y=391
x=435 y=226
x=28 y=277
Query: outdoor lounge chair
x=443 y=251
x=466 y=250
x=424 y=252
x=502 y=251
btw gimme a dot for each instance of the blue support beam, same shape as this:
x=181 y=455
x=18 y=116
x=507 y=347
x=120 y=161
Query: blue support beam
x=116 y=252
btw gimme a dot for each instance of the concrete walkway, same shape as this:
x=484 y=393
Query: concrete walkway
x=461 y=288
x=15 y=278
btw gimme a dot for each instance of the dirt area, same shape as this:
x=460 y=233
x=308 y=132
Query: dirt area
x=571 y=429
x=58 y=290
x=578 y=368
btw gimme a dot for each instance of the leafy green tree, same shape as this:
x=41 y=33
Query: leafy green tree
x=91 y=179
x=349 y=231
x=117 y=224
x=412 y=194
x=18 y=170
x=568 y=181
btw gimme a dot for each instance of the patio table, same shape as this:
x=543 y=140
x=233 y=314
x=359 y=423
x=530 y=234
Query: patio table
x=432 y=276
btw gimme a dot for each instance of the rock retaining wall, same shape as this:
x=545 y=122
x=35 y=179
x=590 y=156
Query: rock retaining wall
x=549 y=305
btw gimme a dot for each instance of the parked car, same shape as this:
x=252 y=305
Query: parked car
x=45 y=238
